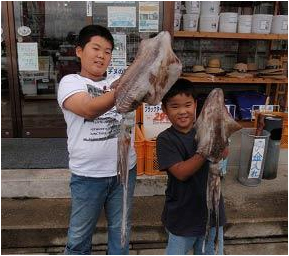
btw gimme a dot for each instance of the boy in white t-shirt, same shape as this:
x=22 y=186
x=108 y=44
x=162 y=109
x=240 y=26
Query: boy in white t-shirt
x=92 y=128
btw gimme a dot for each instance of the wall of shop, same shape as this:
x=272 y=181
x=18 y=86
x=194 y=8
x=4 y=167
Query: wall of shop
x=38 y=40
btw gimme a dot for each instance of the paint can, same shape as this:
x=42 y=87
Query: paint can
x=177 y=21
x=261 y=23
x=209 y=23
x=244 y=23
x=193 y=7
x=228 y=22
x=190 y=22
x=279 y=24
x=210 y=8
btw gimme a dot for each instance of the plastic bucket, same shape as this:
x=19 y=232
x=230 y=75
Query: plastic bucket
x=253 y=156
x=228 y=22
x=245 y=23
x=210 y=8
x=261 y=23
x=190 y=22
x=280 y=24
x=177 y=21
x=209 y=23
x=193 y=7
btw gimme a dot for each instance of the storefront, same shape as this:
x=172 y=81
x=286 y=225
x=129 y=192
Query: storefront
x=37 y=50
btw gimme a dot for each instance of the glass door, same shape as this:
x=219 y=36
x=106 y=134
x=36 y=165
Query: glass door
x=45 y=40
x=6 y=106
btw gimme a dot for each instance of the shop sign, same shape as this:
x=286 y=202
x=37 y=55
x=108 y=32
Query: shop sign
x=154 y=120
x=148 y=16
x=24 y=31
x=153 y=115
x=115 y=70
x=121 y=17
x=27 y=56
x=257 y=158
x=119 y=51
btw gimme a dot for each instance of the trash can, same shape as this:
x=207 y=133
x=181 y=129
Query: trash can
x=273 y=124
x=253 y=155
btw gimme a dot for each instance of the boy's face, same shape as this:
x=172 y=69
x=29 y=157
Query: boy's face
x=95 y=57
x=180 y=110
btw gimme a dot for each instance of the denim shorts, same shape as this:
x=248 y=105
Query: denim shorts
x=88 y=197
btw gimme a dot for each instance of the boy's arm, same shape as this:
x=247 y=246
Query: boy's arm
x=89 y=107
x=183 y=170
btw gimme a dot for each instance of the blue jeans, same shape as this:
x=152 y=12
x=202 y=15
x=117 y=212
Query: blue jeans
x=89 y=196
x=181 y=245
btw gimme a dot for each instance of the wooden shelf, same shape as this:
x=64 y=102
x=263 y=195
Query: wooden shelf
x=233 y=80
x=245 y=36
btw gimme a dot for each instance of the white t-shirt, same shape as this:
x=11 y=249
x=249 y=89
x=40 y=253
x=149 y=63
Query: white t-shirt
x=92 y=144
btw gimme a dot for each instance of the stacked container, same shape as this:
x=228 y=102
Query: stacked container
x=244 y=23
x=228 y=22
x=191 y=18
x=280 y=24
x=178 y=16
x=209 y=19
x=261 y=23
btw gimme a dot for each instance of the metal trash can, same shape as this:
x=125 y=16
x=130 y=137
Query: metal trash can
x=273 y=124
x=253 y=155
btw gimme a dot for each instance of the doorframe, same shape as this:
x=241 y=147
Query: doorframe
x=12 y=68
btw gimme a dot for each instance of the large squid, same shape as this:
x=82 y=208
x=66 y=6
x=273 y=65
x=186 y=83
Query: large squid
x=213 y=128
x=154 y=70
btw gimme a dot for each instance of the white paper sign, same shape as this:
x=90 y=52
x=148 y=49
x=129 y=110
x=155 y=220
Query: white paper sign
x=119 y=51
x=27 y=56
x=121 y=17
x=154 y=120
x=257 y=158
x=148 y=16
x=153 y=115
x=115 y=70
x=89 y=8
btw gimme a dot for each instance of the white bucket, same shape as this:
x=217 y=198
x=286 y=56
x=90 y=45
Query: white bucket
x=209 y=23
x=228 y=22
x=280 y=24
x=193 y=7
x=190 y=22
x=177 y=21
x=261 y=23
x=244 y=23
x=210 y=8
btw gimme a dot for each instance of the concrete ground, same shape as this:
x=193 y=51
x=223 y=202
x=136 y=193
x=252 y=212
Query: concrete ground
x=35 y=209
x=257 y=221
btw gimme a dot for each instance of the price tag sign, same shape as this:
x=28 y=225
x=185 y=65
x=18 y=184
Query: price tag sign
x=153 y=115
x=154 y=120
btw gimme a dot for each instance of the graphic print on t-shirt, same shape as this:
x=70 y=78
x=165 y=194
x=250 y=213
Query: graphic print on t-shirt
x=104 y=127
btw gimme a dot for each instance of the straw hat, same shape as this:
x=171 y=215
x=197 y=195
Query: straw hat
x=274 y=63
x=210 y=70
x=214 y=63
x=273 y=67
x=241 y=67
x=240 y=74
x=252 y=66
x=198 y=68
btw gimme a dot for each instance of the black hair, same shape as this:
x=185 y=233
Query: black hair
x=181 y=86
x=89 y=31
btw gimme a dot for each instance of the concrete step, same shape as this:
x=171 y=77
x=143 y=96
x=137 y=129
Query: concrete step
x=28 y=224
